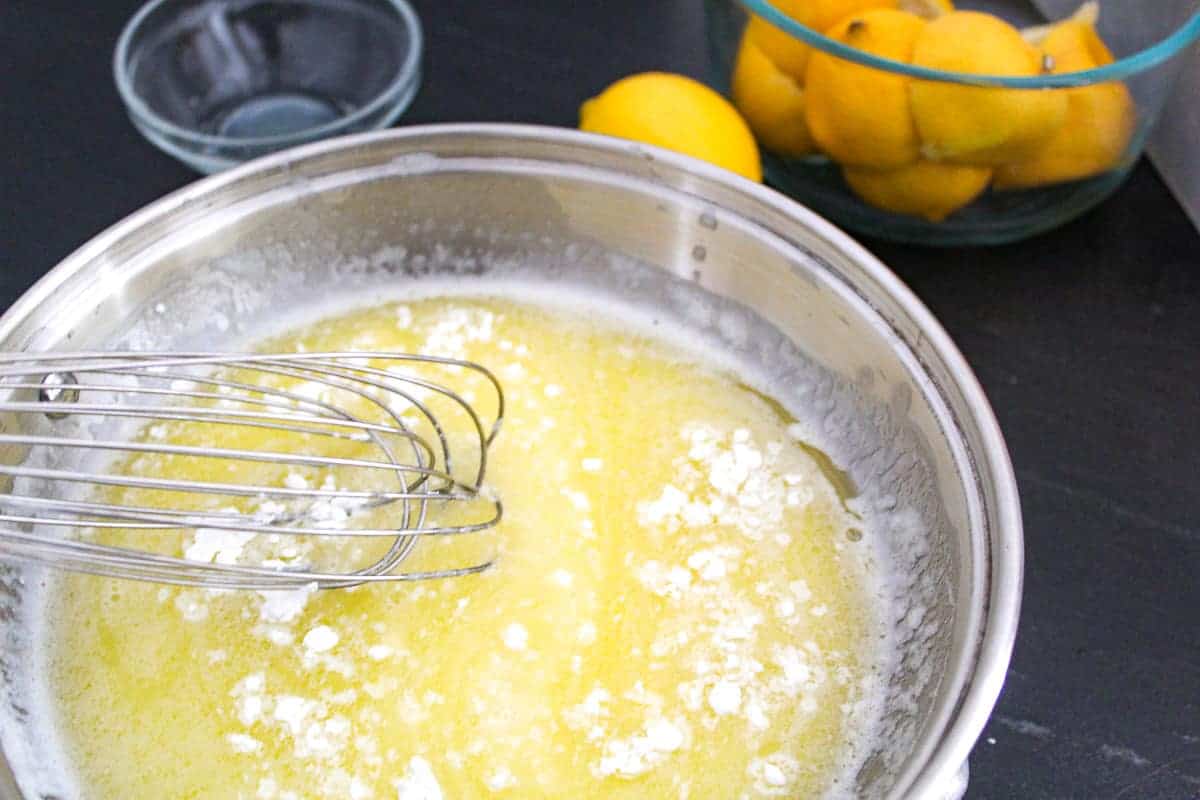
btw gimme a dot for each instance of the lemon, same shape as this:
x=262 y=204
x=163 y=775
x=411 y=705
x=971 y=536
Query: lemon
x=926 y=189
x=786 y=52
x=926 y=9
x=974 y=125
x=771 y=101
x=859 y=115
x=677 y=113
x=789 y=53
x=1100 y=118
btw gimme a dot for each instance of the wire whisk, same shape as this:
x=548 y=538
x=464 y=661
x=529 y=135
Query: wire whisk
x=245 y=456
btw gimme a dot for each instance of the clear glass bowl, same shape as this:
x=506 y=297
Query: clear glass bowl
x=1147 y=44
x=218 y=82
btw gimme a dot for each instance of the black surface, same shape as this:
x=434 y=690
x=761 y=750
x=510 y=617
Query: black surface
x=1087 y=340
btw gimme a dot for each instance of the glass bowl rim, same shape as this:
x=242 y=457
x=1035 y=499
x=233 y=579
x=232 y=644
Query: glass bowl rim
x=405 y=76
x=1157 y=53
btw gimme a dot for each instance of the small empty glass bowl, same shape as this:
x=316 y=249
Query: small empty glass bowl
x=218 y=82
x=900 y=150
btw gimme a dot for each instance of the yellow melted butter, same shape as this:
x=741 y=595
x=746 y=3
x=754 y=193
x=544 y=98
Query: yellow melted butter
x=624 y=645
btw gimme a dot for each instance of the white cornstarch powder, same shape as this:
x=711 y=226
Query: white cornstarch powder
x=515 y=636
x=320 y=639
x=419 y=782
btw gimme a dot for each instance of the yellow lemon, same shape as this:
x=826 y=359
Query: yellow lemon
x=821 y=15
x=1100 y=118
x=785 y=51
x=973 y=125
x=677 y=113
x=926 y=9
x=789 y=53
x=859 y=115
x=926 y=189
x=771 y=102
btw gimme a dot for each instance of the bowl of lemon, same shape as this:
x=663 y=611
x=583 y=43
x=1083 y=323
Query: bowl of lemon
x=949 y=123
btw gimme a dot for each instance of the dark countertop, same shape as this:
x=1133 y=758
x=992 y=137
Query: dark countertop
x=1087 y=341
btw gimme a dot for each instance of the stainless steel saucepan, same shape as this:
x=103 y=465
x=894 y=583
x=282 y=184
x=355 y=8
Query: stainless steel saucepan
x=890 y=397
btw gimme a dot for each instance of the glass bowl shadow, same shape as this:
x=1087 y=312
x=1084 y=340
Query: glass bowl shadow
x=218 y=82
x=1149 y=52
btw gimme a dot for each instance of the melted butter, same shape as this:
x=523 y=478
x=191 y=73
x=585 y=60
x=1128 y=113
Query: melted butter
x=678 y=609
